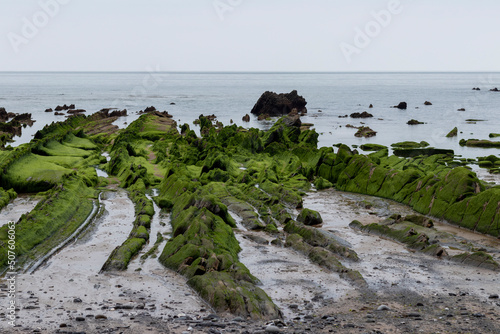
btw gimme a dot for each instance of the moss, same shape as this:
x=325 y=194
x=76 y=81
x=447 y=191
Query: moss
x=121 y=256
x=321 y=183
x=6 y=196
x=63 y=209
x=319 y=238
x=372 y=147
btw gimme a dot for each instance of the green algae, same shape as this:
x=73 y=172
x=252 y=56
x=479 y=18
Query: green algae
x=63 y=209
x=6 y=196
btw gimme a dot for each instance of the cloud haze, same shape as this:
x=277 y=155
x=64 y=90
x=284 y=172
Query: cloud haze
x=249 y=35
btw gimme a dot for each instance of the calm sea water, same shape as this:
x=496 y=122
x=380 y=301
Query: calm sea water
x=232 y=95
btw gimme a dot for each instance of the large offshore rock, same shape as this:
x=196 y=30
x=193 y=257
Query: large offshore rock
x=274 y=104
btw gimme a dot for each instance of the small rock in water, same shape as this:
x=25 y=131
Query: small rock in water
x=80 y=319
x=493 y=296
x=383 y=308
x=77 y=300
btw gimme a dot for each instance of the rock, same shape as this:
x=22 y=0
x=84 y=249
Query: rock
x=63 y=325
x=77 y=300
x=427 y=103
x=59 y=113
x=172 y=103
x=479 y=143
x=493 y=296
x=71 y=106
x=262 y=117
x=414 y=122
x=461 y=109
x=370 y=106
x=76 y=111
x=49 y=110
x=494 y=90
x=414 y=152
x=246 y=118
x=383 y=308
x=272 y=329
x=364 y=114
x=275 y=104
x=150 y=109
x=365 y=131
x=452 y=133
x=476 y=88
x=402 y=105
x=309 y=217
x=101 y=317
x=58 y=108
x=80 y=319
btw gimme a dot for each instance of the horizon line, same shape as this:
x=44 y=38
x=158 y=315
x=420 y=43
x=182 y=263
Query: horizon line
x=255 y=72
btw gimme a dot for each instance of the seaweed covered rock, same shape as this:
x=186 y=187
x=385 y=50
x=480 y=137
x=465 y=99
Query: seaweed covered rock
x=309 y=217
x=452 y=133
x=479 y=143
x=274 y=104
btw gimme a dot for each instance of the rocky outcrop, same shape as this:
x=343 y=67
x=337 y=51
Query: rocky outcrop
x=427 y=103
x=402 y=105
x=365 y=131
x=414 y=122
x=364 y=114
x=274 y=104
x=246 y=118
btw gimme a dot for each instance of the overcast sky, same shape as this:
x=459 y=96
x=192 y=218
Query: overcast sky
x=249 y=35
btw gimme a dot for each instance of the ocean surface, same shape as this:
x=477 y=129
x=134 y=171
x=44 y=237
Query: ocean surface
x=232 y=95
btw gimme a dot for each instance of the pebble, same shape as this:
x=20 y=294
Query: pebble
x=272 y=329
x=77 y=300
x=80 y=319
x=493 y=296
x=383 y=308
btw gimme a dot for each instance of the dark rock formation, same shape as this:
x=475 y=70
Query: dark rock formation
x=427 y=103
x=461 y=109
x=49 y=110
x=364 y=114
x=71 y=106
x=414 y=122
x=476 y=88
x=75 y=111
x=150 y=109
x=402 y=105
x=275 y=104
x=3 y=115
x=118 y=113
x=370 y=106
x=246 y=118
x=494 y=90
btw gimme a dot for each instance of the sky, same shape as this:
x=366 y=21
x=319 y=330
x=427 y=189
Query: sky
x=249 y=35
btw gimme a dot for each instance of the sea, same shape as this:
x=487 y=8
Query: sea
x=230 y=96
